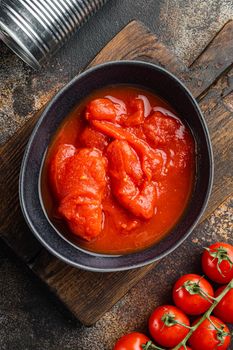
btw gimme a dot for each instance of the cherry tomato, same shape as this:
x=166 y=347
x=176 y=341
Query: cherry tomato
x=183 y=348
x=167 y=325
x=217 y=262
x=192 y=294
x=212 y=334
x=132 y=341
x=224 y=309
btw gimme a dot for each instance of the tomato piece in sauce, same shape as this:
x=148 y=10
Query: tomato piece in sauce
x=83 y=187
x=153 y=160
x=160 y=129
x=134 y=192
x=101 y=109
x=93 y=138
x=58 y=167
x=135 y=113
x=170 y=134
x=106 y=109
x=121 y=220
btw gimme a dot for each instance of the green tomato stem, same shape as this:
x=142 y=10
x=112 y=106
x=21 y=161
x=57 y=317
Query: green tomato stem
x=205 y=316
x=150 y=346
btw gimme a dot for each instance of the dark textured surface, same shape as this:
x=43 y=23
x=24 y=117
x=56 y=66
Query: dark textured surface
x=29 y=319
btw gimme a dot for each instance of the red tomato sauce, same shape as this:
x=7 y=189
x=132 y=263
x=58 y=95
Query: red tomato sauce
x=119 y=171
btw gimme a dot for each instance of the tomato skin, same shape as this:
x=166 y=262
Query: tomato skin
x=168 y=336
x=205 y=336
x=131 y=341
x=192 y=304
x=210 y=266
x=224 y=309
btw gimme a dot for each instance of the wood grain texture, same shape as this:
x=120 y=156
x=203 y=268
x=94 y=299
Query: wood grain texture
x=217 y=106
x=216 y=58
x=89 y=295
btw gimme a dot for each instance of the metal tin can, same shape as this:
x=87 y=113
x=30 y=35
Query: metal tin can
x=35 y=29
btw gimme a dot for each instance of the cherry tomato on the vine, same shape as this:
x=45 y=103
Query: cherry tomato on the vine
x=217 y=262
x=212 y=334
x=131 y=341
x=192 y=294
x=183 y=348
x=168 y=325
x=224 y=309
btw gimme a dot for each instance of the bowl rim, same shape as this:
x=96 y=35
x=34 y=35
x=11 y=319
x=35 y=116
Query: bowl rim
x=44 y=112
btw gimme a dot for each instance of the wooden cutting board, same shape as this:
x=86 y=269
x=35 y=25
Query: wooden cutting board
x=210 y=78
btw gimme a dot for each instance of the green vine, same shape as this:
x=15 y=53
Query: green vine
x=150 y=346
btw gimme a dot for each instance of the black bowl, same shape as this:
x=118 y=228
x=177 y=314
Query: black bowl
x=163 y=84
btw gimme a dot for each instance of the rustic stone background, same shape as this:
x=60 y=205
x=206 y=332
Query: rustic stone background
x=29 y=318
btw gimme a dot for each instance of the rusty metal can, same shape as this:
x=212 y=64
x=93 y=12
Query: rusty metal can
x=35 y=29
